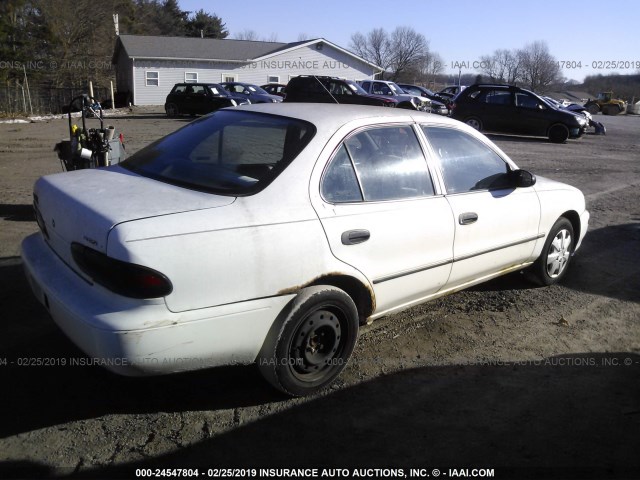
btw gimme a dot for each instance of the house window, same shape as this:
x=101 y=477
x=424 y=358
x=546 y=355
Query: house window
x=190 y=77
x=152 y=79
x=229 y=77
x=273 y=79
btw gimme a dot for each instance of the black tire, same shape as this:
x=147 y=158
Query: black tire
x=553 y=263
x=474 y=122
x=611 y=110
x=593 y=108
x=558 y=133
x=316 y=336
x=172 y=110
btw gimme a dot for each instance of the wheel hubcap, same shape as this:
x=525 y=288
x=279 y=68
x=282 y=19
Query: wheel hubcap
x=474 y=124
x=559 y=253
x=316 y=343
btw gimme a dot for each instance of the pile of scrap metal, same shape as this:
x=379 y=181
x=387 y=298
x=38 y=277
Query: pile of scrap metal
x=89 y=147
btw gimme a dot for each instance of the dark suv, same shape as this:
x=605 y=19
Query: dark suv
x=322 y=89
x=508 y=109
x=199 y=98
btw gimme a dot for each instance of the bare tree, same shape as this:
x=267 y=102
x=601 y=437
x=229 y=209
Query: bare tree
x=408 y=49
x=254 y=36
x=399 y=52
x=502 y=66
x=375 y=47
x=247 y=35
x=432 y=64
x=538 y=68
x=425 y=70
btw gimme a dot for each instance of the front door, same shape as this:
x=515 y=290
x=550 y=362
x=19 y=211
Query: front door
x=496 y=224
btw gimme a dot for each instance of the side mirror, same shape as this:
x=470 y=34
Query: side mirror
x=522 y=178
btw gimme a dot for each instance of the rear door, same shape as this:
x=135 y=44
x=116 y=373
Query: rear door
x=383 y=216
x=496 y=110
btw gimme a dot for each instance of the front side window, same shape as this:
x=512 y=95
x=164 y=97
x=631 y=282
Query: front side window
x=384 y=163
x=524 y=100
x=227 y=152
x=381 y=89
x=467 y=163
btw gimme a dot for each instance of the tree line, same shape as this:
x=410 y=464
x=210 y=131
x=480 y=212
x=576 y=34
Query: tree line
x=405 y=55
x=65 y=43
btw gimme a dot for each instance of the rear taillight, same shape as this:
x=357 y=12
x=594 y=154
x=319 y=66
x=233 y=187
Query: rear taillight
x=123 y=278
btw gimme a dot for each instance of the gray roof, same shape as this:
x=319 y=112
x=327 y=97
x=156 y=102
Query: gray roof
x=193 y=48
x=147 y=46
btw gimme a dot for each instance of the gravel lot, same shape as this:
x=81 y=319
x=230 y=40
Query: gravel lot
x=531 y=382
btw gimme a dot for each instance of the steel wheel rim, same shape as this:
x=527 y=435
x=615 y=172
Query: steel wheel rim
x=559 y=253
x=317 y=345
x=473 y=123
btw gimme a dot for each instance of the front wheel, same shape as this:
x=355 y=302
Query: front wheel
x=314 y=342
x=593 y=108
x=558 y=133
x=554 y=260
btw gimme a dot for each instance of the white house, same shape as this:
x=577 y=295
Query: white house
x=148 y=66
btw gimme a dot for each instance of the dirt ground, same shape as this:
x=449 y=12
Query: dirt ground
x=528 y=382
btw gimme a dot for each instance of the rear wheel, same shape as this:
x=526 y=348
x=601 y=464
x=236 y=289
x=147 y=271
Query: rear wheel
x=474 y=122
x=172 y=110
x=558 y=133
x=611 y=110
x=554 y=260
x=313 y=343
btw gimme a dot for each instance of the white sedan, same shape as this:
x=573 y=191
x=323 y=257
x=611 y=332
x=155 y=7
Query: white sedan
x=268 y=233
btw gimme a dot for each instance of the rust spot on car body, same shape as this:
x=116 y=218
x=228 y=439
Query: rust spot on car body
x=361 y=293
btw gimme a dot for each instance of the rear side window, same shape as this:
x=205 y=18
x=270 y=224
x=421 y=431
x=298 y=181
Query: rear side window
x=467 y=164
x=340 y=183
x=227 y=152
x=378 y=164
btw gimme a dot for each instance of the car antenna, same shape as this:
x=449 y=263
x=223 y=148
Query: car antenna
x=323 y=86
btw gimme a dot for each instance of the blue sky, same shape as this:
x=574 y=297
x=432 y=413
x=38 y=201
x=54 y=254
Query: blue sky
x=587 y=32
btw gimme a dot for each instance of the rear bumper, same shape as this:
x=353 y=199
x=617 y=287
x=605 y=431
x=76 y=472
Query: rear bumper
x=133 y=337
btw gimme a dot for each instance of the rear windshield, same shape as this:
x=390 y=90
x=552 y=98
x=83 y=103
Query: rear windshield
x=228 y=152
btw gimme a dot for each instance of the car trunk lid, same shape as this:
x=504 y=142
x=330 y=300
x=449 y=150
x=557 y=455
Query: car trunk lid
x=84 y=206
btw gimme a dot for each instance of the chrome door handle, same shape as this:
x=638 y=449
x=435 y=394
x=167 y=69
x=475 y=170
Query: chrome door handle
x=468 y=218
x=353 y=237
